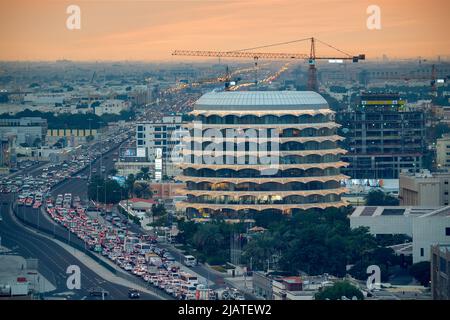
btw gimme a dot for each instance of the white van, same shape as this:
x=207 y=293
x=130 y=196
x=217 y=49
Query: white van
x=188 y=278
x=190 y=261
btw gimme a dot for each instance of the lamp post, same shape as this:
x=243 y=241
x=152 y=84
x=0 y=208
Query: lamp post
x=97 y=200
x=116 y=191
x=101 y=148
x=89 y=151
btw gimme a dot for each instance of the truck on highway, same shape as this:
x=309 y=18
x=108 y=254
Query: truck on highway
x=153 y=259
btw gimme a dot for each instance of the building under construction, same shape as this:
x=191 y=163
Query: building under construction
x=383 y=136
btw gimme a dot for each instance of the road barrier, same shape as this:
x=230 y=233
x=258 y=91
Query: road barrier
x=78 y=244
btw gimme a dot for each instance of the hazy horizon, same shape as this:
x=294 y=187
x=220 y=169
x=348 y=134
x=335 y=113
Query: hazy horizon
x=149 y=31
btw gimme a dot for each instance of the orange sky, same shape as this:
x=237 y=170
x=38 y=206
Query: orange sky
x=150 y=30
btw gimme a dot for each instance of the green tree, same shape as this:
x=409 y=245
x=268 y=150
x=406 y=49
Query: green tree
x=421 y=272
x=129 y=183
x=37 y=142
x=315 y=242
x=100 y=188
x=379 y=198
x=142 y=190
x=143 y=174
x=158 y=210
x=338 y=290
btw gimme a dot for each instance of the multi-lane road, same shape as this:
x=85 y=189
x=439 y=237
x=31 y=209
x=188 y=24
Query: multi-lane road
x=53 y=259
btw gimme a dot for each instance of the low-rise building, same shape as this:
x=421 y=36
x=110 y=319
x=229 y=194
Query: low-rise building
x=272 y=286
x=49 y=99
x=125 y=168
x=112 y=106
x=424 y=188
x=71 y=137
x=426 y=225
x=137 y=207
x=28 y=130
x=281 y=286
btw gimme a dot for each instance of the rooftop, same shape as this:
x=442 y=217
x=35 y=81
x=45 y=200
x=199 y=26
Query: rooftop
x=261 y=100
x=442 y=212
x=376 y=211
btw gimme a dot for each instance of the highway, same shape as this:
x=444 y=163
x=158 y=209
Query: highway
x=53 y=259
x=78 y=186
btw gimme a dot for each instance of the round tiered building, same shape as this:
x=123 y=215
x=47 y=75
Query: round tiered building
x=270 y=151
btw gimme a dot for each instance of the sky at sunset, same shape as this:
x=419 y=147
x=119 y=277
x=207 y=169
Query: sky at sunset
x=150 y=30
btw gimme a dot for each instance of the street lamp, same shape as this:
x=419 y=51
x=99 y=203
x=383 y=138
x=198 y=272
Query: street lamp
x=101 y=148
x=89 y=151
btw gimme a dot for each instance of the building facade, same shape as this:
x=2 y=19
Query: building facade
x=28 y=130
x=383 y=136
x=269 y=151
x=71 y=137
x=443 y=152
x=112 y=106
x=427 y=226
x=8 y=156
x=440 y=272
x=424 y=188
x=160 y=138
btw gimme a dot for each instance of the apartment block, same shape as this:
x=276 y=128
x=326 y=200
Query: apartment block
x=159 y=139
x=383 y=136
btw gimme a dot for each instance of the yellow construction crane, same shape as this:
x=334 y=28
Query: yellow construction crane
x=247 y=53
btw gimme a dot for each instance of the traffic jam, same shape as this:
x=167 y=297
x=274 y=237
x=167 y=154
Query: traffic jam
x=28 y=186
x=32 y=189
x=137 y=254
x=105 y=233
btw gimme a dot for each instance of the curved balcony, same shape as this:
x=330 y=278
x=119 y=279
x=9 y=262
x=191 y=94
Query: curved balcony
x=261 y=207
x=259 y=140
x=262 y=180
x=261 y=167
x=281 y=132
x=280 y=126
x=255 y=195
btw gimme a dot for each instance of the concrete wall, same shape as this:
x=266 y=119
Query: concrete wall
x=419 y=191
x=384 y=224
x=428 y=231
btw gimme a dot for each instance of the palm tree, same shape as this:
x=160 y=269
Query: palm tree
x=144 y=174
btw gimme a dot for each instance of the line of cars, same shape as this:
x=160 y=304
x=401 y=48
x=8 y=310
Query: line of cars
x=53 y=173
x=49 y=176
x=137 y=254
x=33 y=190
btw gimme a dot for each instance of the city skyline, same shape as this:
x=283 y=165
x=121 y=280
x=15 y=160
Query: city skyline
x=150 y=30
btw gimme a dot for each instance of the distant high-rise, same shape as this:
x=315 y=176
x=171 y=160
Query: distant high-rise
x=261 y=151
x=159 y=138
x=383 y=136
